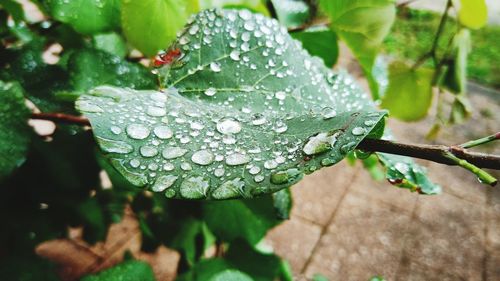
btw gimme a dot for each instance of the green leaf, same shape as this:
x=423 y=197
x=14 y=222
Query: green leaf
x=320 y=42
x=473 y=13
x=14 y=9
x=257 y=6
x=246 y=219
x=39 y=80
x=239 y=122
x=403 y=172
x=126 y=271
x=461 y=109
x=362 y=25
x=240 y=257
x=14 y=130
x=151 y=25
x=231 y=275
x=455 y=77
x=186 y=240
x=87 y=16
x=291 y=13
x=409 y=94
x=90 y=68
x=282 y=201
x=27 y=268
x=112 y=43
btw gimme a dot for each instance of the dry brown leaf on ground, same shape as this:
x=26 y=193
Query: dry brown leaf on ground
x=76 y=258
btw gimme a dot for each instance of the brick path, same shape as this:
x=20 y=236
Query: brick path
x=345 y=226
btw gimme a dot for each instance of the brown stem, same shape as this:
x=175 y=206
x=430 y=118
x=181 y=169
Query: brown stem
x=61 y=118
x=435 y=153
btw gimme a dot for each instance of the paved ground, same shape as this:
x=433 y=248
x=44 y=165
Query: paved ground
x=345 y=226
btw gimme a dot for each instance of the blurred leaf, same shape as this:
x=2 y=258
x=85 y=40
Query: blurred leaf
x=291 y=13
x=405 y=173
x=257 y=6
x=246 y=219
x=320 y=42
x=319 y=277
x=15 y=134
x=39 y=80
x=90 y=68
x=377 y=278
x=112 y=43
x=461 y=109
x=473 y=13
x=151 y=25
x=282 y=201
x=455 y=77
x=362 y=25
x=14 y=9
x=27 y=268
x=241 y=257
x=87 y=16
x=409 y=94
x=371 y=164
x=231 y=275
x=186 y=240
x=126 y=271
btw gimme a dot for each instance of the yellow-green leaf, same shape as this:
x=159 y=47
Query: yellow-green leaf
x=473 y=13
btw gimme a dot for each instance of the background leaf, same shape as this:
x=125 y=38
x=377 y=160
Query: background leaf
x=87 y=16
x=473 y=13
x=320 y=42
x=15 y=133
x=455 y=77
x=362 y=25
x=126 y=271
x=151 y=25
x=291 y=13
x=407 y=87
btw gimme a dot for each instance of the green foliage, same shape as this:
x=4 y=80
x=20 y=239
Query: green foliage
x=408 y=86
x=413 y=34
x=291 y=13
x=126 y=271
x=362 y=25
x=320 y=42
x=111 y=42
x=455 y=77
x=151 y=25
x=87 y=16
x=14 y=131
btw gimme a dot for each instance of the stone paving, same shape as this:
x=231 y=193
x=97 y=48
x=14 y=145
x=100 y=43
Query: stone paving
x=346 y=226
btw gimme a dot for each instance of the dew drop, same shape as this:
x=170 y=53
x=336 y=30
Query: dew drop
x=173 y=152
x=163 y=132
x=270 y=164
x=358 y=131
x=112 y=146
x=210 y=92
x=135 y=163
x=202 y=157
x=194 y=187
x=148 y=151
x=137 y=131
x=215 y=67
x=115 y=130
x=258 y=119
x=229 y=189
x=254 y=170
x=163 y=182
x=328 y=113
x=228 y=126
x=280 y=95
x=236 y=159
x=156 y=111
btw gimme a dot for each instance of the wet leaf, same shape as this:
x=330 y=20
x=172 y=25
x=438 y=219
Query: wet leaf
x=126 y=271
x=257 y=6
x=408 y=86
x=151 y=25
x=473 y=13
x=87 y=16
x=14 y=130
x=112 y=43
x=243 y=120
x=231 y=274
x=405 y=173
x=282 y=201
x=320 y=42
x=90 y=68
x=362 y=25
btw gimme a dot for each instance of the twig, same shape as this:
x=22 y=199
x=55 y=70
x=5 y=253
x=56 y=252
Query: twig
x=435 y=153
x=481 y=141
x=61 y=118
x=482 y=175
